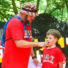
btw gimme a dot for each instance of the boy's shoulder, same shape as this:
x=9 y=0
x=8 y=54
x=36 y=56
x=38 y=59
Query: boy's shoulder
x=58 y=50
x=55 y=49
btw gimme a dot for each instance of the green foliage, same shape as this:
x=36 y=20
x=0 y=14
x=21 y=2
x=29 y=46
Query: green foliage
x=57 y=8
x=5 y=8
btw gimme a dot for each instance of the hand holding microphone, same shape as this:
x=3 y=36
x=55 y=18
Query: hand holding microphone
x=43 y=44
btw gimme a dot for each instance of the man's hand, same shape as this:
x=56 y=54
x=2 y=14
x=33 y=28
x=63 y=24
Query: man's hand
x=42 y=44
x=35 y=61
x=61 y=65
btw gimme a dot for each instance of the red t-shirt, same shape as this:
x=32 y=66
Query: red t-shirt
x=51 y=57
x=15 y=57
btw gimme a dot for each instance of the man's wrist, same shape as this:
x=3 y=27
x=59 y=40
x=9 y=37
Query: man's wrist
x=34 y=57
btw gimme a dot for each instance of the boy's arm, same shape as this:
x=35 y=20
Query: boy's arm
x=60 y=58
x=60 y=64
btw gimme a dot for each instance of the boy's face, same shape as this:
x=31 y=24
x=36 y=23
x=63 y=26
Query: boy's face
x=51 y=40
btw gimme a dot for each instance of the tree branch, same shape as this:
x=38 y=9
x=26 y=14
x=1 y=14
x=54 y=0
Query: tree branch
x=3 y=16
x=14 y=7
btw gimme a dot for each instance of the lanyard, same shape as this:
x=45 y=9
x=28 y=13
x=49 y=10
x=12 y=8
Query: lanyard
x=24 y=27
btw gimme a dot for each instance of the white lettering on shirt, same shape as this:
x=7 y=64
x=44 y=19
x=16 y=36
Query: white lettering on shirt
x=48 y=58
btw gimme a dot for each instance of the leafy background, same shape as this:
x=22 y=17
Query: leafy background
x=52 y=13
x=57 y=8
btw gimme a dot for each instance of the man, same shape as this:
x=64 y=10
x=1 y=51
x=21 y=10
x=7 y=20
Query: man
x=19 y=39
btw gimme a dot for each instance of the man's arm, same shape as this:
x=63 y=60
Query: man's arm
x=26 y=44
x=60 y=64
x=34 y=59
x=32 y=52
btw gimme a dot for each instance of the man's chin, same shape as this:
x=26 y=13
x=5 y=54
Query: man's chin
x=28 y=22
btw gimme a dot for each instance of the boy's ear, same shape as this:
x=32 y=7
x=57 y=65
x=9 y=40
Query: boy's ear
x=56 y=39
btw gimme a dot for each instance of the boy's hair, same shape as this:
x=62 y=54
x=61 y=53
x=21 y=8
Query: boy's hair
x=54 y=32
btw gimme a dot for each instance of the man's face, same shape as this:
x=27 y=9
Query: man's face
x=29 y=18
x=51 y=40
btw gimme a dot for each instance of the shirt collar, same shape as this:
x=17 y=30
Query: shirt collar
x=53 y=46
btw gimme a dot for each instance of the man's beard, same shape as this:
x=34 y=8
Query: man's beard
x=26 y=19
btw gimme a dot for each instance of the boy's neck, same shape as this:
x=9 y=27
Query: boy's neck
x=51 y=47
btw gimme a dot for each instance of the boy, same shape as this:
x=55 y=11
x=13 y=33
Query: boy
x=52 y=55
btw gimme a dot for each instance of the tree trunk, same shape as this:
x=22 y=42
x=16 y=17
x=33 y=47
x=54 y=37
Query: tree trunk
x=62 y=13
x=47 y=6
x=38 y=4
x=67 y=11
x=66 y=2
x=62 y=10
x=20 y=3
x=14 y=7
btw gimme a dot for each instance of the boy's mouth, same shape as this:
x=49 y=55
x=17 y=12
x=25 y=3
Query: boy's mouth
x=48 y=42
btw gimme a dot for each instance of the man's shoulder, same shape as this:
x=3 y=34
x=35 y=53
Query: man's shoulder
x=15 y=22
